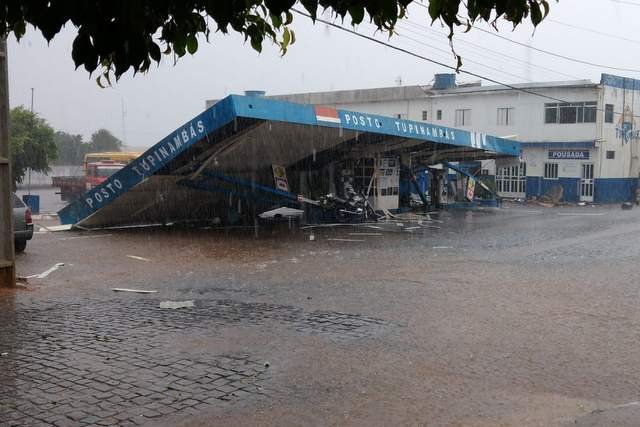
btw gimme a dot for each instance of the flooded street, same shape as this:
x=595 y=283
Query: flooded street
x=518 y=316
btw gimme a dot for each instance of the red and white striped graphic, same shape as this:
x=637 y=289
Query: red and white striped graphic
x=327 y=114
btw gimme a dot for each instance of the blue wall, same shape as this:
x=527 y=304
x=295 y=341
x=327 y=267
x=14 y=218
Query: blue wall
x=614 y=190
x=537 y=186
x=606 y=190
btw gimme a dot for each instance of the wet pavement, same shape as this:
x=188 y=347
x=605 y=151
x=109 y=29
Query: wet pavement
x=519 y=316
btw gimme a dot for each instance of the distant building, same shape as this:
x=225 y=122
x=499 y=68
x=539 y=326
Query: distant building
x=581 y=135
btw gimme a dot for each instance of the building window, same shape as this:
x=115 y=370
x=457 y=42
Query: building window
x=425 y=115
x=611 y=155
x=463 y=118
x=570 y=112
x=439 y=114
x=484 y=172
x=512 y=179
x=505 y=116
x=551 y=113
x=551 y=171
x=399 y=116
x=590 y=112
x=608 y=113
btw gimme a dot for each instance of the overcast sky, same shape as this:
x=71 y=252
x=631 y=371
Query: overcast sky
x=322 y=59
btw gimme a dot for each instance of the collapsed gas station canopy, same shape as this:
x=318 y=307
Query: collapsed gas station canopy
x=240 y=136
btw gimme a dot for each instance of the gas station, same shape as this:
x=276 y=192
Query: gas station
x=246 y=155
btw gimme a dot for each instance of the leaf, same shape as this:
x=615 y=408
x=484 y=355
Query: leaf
x=289 y=19
x=536 y=13
x=545 y=5
x=357 y=14
x=80 y=48
x=434 y=8
x=192 y=44
x=179 y=47
x=154 y=51
x=276 y=20
x=256 y=44
x=107 y=77
x=286 y=38
x=19 y=28
x=458 y=63
x=311 y=6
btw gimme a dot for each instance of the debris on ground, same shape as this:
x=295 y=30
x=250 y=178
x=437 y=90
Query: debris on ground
x=176 y=304
x=283 y=212
x=551 y=198
x=47 y=272
x=54 y=228
x=136 y=291
x=139 y=258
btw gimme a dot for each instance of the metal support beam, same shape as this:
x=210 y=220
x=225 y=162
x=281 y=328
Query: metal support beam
x=7 y=256
x=214 y=187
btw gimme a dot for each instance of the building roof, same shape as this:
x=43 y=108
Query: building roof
x=569 y=84
x=400 y=93
x=394 y=93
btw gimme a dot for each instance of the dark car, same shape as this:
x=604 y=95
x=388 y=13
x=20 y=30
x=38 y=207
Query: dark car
x=22 y=224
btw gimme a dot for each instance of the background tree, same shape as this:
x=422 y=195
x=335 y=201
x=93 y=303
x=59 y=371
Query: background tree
x=32 y=144
x=129 y=35
x=71 y=148
x=103 y=140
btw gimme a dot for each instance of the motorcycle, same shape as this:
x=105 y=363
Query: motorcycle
x=355 y=208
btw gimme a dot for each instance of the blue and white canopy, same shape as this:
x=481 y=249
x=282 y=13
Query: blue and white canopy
x=239 y=136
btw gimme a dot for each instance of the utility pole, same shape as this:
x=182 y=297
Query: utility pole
x=124 y=117
x=7 y=256
x=29 y=186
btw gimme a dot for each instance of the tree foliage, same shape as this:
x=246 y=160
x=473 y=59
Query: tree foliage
x=117 y=36
x=32 y=144
x=71 y=148
x=103 y=140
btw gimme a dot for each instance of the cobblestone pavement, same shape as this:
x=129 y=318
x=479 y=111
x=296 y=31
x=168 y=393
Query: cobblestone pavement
x=94 y=362
x=515 y=317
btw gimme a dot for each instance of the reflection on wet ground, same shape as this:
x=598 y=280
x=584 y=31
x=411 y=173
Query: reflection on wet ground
x=507 y=317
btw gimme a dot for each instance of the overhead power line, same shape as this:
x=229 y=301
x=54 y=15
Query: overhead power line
x=591 y=30
x=557 y=55
x=506 y=73
x=495 y=52
x=625 y=2
x=547 y=52
x=424 y=58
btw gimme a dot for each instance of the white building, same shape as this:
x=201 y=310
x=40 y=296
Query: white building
x=578 y=134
